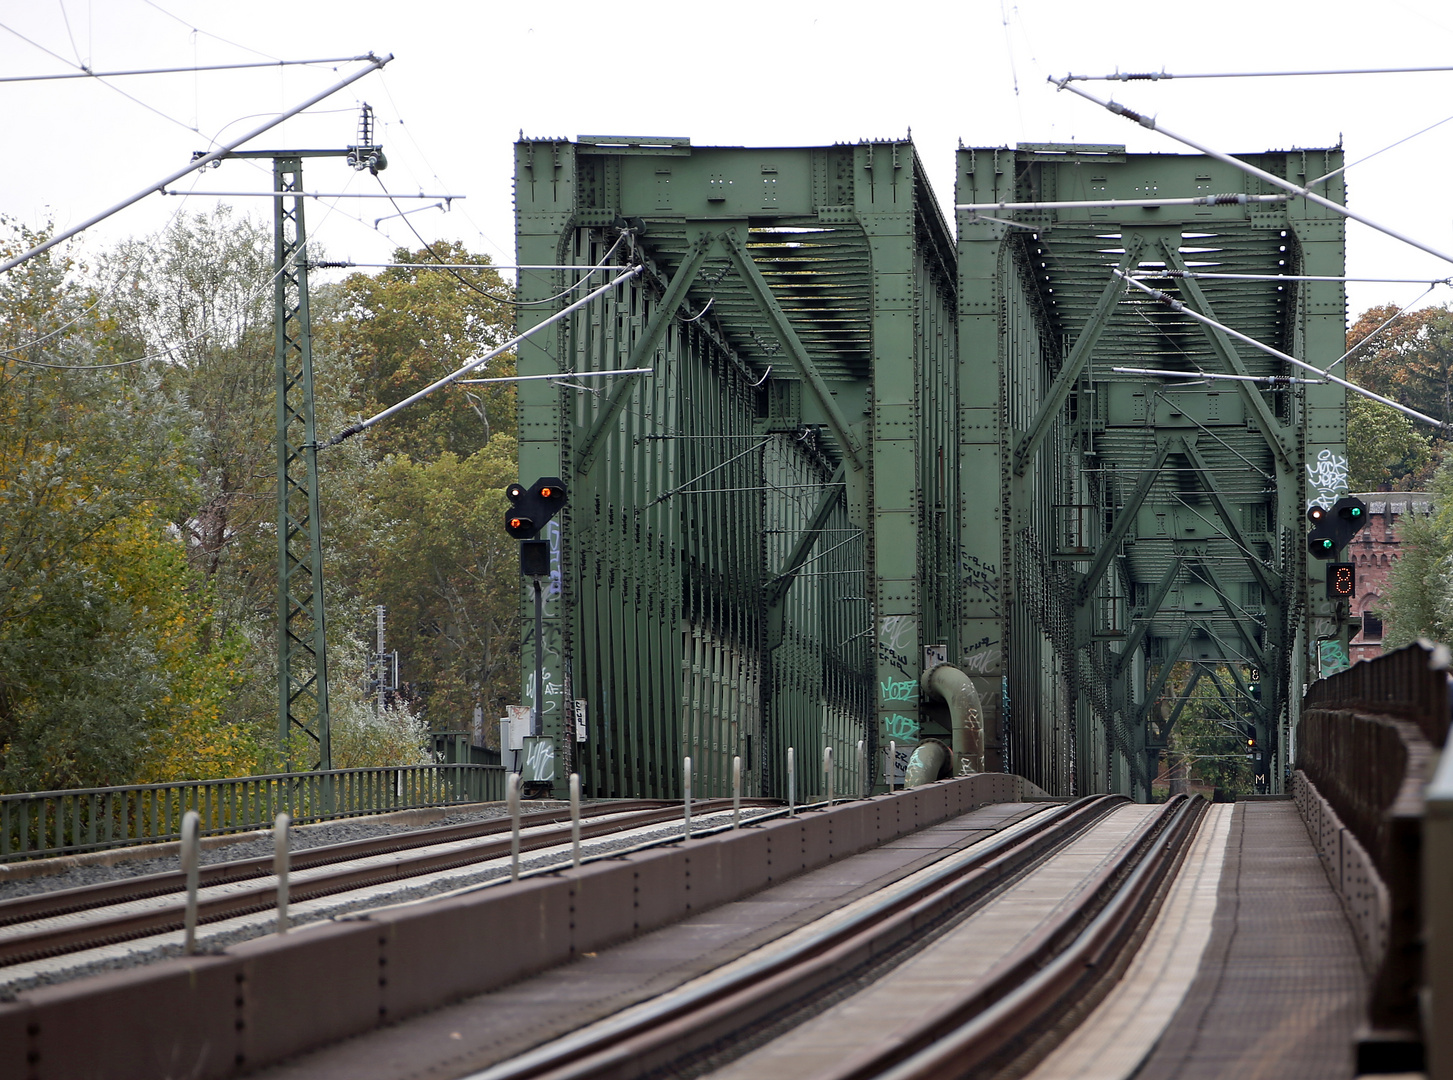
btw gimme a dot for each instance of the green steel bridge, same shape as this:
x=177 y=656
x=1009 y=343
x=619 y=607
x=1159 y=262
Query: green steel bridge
x=871 y=444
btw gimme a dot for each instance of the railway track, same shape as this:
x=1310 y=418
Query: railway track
x=20 y=942
x=1065 y=963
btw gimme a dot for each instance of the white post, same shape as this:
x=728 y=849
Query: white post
x=512 y=800
x=575 y=818
x=862 y=770
x=736 y=793
x=791 y=782
x=280 y=868
x=892 y=767
x=827 y=768
x=191 y=866
x=686 y=773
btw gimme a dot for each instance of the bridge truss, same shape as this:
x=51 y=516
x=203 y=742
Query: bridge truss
x=862 y=445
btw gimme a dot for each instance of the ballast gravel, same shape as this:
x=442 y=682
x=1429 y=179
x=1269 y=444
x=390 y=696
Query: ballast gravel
x=299 y=837
x=213 y=937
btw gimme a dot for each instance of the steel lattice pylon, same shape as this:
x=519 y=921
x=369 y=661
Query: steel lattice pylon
x=302 y=656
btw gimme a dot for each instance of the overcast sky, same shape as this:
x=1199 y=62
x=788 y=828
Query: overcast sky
x=467 y=77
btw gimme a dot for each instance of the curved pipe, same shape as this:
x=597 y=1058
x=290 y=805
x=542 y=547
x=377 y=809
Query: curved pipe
x=929 y=762
x=948 y=684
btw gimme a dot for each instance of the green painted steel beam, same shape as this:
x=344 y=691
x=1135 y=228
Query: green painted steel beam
x=783 y=579
x=1185 y=696
x=1270 y=585
x=762 y=293
x=302 y=643
x=1275 y=433
x=1152 y=605
x=1079 y=355
x=643 y=350
x=1123 y=521
x=1172 y=656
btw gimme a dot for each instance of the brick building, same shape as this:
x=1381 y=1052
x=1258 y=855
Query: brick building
x=1374 y=549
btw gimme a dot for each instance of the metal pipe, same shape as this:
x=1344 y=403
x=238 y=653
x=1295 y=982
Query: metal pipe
x=827 y=768
x=280 y=867
x=1176 y=305
x=364 y=425
x=191 y=866
x=948 y=684
x=862 y=769
x=892 y=766
x=736 y=792
x=686 y=774
x=1251 y=170
x=200 y=163
x=537 y=716
x=512 y=801
x=575 y=820
x=791 y=782
x=926 y=763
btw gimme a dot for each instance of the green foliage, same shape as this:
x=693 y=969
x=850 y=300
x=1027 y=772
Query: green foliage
x=450 y=578
x=138 y=551
x=1385 y=448
x=1419 y=597
x=102 y=647
x=406 y=328
x=1208 y=735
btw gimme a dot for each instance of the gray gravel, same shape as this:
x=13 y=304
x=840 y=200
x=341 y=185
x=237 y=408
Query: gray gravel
x=215 y=937
x=304 y=836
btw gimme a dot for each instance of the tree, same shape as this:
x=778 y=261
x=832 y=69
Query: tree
x=1419 y=598
x=450 y=578
x=101 y=642
x=1209 y=733
x=407 y=327
x=1385 y=448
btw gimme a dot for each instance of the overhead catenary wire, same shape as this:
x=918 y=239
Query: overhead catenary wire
x=87 y=73
x=1198 y=274
x=1229 y=199
x=1178 y=306
x=364 y=425
x=557 y=375
x=1150 y=123
x=306 y=194
x=493 y=296
x=1158 y=76
x=1383 y=326
x=199 y=163
x=1272 y=379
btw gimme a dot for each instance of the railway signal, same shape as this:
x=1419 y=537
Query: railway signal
x=531 y=508
x=1341 y=580
x=1334 y=527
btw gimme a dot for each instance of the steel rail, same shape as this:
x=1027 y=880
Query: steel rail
x=981 y=1034
x=56 y=941
x=85 y=897
x=679 y=1025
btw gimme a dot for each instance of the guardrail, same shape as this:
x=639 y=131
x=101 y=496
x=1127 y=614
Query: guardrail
x=45 y=823
x=1366 y=751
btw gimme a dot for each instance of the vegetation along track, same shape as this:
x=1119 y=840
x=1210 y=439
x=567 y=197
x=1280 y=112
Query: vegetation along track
x=106 y=929
x=1028 y=993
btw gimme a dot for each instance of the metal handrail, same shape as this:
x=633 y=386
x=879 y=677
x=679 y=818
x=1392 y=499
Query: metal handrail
x=38 y=824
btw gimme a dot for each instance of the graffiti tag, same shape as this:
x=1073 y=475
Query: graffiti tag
x=906 y=690
x=900 y=727
x=1328 y=477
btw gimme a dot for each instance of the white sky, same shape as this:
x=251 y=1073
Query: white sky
x=469 y=76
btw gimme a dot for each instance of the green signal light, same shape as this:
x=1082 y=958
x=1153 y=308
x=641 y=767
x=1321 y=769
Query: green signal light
x=1326 y=544
x=1357 y=511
